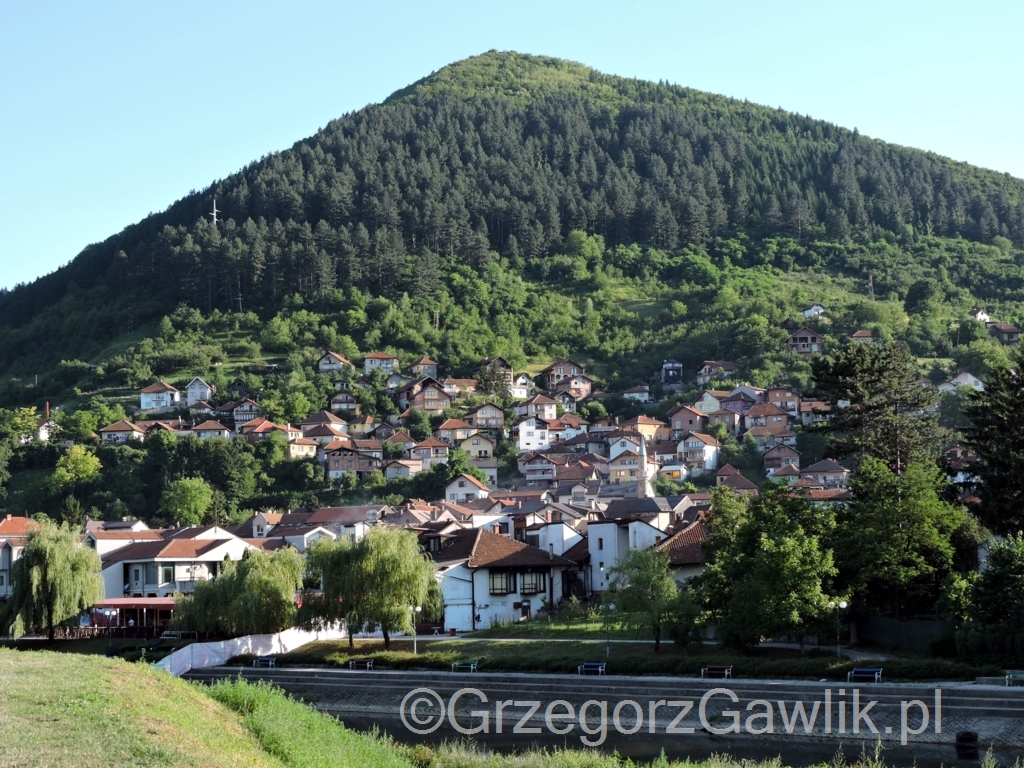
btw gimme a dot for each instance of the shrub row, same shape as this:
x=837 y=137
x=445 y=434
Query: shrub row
x=517 y=660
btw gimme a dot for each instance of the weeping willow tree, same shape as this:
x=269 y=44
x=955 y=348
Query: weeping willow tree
x=54 y=580
x=333 y=563
x=372 y=582
x=395 y=575
x=253 y=596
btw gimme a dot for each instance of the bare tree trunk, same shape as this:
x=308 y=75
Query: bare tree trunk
x=387 y=639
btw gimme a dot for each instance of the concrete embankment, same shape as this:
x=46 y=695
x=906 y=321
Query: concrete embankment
x=892 y=712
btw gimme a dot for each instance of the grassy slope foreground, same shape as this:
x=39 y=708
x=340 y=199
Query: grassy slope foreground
x=65 y=709
x=71 y=710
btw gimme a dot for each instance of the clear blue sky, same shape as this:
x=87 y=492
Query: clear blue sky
x=109 y=110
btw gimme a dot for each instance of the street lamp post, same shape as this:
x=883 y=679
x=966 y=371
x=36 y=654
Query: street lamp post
x=837 y=606
x=415 y=609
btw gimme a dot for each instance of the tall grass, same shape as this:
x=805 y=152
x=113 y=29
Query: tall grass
x=299 y=735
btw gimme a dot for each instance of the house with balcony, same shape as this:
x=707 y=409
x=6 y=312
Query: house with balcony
x=465 y=488
x=380 y=361
x=700 y=452
x=430 y=452
x=160 y=397
x=806 y=342
x=488 y=579
x=162 y=567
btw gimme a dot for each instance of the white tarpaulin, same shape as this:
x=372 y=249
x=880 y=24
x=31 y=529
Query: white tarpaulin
x=198 y=655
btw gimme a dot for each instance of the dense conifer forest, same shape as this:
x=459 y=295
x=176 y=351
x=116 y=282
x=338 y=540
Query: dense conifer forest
x=532 y=207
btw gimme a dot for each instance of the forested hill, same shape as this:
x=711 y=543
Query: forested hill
x=461 y=191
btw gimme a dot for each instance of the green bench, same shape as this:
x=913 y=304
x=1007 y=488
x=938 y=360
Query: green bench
x=465 y=665
x=1014 y=677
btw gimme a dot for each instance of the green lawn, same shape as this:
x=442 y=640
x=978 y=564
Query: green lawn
x=539 y=630
x=624 y=658
x=62 y=709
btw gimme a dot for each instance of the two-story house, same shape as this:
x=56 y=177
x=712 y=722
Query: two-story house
x=121 y=432
x=540 y=406
x=715 y=370
x=197 y=391
x=488 y=579
x=806 y=342
x=683 y=419
x=159 y=397
x=556 y=372
x=424 y=367
x=784 y=398
x=765 y=415
x=487 y=418
x=430 y=452
x=331 y=363
x=700 y=452
x=531 y=434
x=465 y=488
x=454 y=431
x=381 y=361
x=426 y=394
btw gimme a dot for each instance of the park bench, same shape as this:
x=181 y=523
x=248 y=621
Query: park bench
x=864 y=674
x=366 y=664
x=717 y=670
x=597 y=667
x=465 y=665
x=1014 y=677
x=265 y=662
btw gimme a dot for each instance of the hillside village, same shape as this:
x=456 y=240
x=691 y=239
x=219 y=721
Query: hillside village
x=550 y=500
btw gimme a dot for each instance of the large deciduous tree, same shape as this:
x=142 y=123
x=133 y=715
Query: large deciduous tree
x=770 y=570
x=187 y=501
x=54 y=580
x=879 y=407
x=643 y=593
x=894 y=544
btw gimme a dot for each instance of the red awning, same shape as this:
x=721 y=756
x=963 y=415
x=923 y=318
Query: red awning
x=138 y=603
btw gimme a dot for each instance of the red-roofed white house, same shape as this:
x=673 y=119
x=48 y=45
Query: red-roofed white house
x=159 y=397
x=465 y=488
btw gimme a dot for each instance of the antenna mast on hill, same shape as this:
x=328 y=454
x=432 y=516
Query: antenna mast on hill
x=214 y=212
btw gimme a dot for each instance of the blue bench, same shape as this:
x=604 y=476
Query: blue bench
x=864 y=674
x=595 y=667
x=265 y=661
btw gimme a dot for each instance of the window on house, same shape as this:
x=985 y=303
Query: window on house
x=501 y=528
x=502 y=582
x=601 y=566
x=532 y=583
x=166 y=574
x=151 y=573
x=462 y=483
x=3 y=579
x=600 y=545
x=135 y=575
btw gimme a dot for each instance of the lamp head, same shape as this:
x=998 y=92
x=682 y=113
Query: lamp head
x=842 y=604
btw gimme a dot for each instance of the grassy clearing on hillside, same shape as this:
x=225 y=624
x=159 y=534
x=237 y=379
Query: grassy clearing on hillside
x=64 y=709
x=623 y=659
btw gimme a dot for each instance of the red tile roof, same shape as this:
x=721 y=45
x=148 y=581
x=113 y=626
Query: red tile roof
x=684 y=547
x=483 y=549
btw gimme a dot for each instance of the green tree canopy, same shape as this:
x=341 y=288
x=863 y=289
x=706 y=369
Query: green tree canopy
x=187 y=501
x=642 y=592
x=894 y=544
x=879 y=407
x=996 y=436
x=54 y=580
